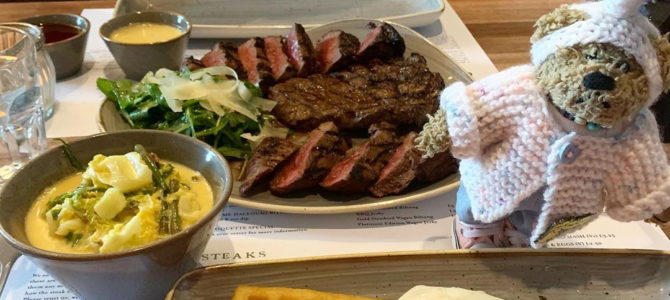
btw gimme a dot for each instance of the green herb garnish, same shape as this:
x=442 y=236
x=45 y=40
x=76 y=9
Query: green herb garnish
x=156 y=175
x=169 y=221
x=70 y=156
x=73 y=238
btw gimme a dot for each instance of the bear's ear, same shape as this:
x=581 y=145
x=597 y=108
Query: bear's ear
x=557 y=19
x=662 y=46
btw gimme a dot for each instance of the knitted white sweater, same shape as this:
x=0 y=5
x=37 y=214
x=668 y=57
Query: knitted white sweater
x=511 y=145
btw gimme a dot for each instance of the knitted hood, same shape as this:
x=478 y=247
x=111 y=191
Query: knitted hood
x=616 y=22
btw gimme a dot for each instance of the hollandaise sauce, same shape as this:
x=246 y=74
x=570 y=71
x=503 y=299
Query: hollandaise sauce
x=116 y=205
x=144 y=33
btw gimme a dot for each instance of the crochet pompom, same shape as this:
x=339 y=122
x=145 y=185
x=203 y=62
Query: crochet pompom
x=434 y=138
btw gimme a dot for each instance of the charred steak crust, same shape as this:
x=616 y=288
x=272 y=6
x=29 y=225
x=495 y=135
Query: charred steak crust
x=398 y=91
x=224 y=54
x=271 y=152
x=192 y=64
x=254 y=60
x=407 y=165
x=400 y=170
x=362 y=167
x=323 y=148
x=437 y=167
x=300 y=50
x=383 y=42
x=336 y=50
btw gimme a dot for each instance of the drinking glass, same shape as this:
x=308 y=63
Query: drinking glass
x=46 y=79
x=21 y=117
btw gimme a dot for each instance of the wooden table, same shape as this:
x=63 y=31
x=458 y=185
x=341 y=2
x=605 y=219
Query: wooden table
x=502 y=27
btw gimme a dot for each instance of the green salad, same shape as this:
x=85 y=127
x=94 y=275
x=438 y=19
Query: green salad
x=210 y=104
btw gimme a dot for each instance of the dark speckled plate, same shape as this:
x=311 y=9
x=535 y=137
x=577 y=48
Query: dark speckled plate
x=508 y=274
x=315 y=203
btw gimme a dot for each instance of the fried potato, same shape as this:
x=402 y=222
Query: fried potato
x=246 y=292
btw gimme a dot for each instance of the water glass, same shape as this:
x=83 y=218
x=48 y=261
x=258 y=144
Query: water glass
x=46 y=80
x=21 y=117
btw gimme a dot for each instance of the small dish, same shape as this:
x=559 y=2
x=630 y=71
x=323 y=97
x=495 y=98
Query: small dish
x=145 y=272
x=67 y=54
x=138 y=59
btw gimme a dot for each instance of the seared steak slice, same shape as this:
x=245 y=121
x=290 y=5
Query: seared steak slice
x=300 y=51
x=335 y=51
x=401 y=92
x=323 y=148
x=383 y=42
x=400 y=170
x=192 y=64
x=437 y=167
x=254 y=61
x=362 y=166
x=271 y=152
x=224 y=54
x=281 y=68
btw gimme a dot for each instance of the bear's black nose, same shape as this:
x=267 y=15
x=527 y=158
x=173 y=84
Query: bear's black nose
x=598 y=81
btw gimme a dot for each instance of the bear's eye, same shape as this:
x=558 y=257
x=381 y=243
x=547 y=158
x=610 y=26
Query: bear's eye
x=622 y=65
x=591 y=56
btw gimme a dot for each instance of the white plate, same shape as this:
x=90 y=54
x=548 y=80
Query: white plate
x=328 y=203
x=240 y=19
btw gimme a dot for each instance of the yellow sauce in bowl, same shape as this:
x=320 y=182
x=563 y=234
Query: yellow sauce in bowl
x=132 y=225
x=144 y=33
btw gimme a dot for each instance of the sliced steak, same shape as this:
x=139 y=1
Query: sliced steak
x=323 y=148
x=362 y=166
x=255 y=62
x=335 y=51
x=281 y=68
x=383 y=42
x=401 y=92
x=300 y=51
x=224 y=54
x=192 y=64
x=437 y=167
x=271 y=152
x=400 y=170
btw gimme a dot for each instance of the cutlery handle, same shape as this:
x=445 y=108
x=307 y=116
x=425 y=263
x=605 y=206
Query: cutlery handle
x=8 y=256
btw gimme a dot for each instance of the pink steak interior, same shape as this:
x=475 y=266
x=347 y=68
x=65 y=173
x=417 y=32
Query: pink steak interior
x=295 y=168
x=328 y=50
x=342 y=169
x=370 y=38
x=276 y=56
x=247 y=53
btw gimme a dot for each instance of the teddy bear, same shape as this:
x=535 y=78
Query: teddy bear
x=545 y=148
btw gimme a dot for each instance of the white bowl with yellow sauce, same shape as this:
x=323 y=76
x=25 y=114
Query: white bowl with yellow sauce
x=127 y=258
x=146 y=41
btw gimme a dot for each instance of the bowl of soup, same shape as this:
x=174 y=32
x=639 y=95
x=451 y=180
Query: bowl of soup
x=117 y=215
x=146 y=41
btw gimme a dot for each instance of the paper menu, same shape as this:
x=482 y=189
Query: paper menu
x=453 y=37
x=254 y=235
x=251 y=235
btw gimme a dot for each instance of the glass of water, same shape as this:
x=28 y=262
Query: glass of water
x=21 y=118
